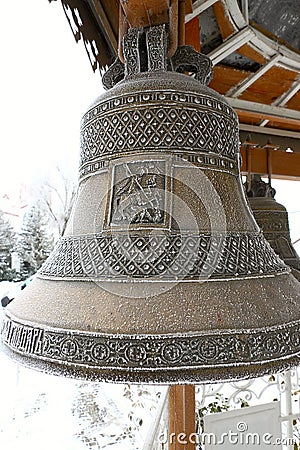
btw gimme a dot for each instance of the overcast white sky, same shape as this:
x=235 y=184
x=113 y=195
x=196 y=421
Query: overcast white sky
x=46 y=85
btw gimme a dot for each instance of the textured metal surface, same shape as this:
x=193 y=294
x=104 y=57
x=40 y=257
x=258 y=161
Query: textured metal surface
x=165 y=257
x=115 y=74
x=272 y=217
x=152 y=353
x=162 y=275
x=146 y=51
x=186 y=59
x=156 y=120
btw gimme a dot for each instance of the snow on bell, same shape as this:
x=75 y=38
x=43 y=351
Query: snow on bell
x=163 y=274
x=272 y=218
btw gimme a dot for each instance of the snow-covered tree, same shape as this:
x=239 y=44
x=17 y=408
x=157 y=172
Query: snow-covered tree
x=62 y=196
x=34 y=243
x=56 y=194
x=7 y=243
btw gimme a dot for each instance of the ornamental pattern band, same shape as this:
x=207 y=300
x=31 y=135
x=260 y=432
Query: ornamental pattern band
x=163 y=257
x=201 y=160
x=156 y=121
x=151 y=352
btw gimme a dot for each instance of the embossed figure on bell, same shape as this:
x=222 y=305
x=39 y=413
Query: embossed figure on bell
x=137 y=195
x=272 y=217
x=163 y=274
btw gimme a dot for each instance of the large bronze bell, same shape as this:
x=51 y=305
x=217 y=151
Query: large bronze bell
x=272 y=217
x=163 y=274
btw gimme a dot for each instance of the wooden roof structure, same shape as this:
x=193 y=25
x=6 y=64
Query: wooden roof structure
x=255 y=49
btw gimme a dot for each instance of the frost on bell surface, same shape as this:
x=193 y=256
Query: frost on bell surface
x=163 y=275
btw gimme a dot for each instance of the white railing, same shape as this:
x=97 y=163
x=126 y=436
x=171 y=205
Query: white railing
x=282 y=387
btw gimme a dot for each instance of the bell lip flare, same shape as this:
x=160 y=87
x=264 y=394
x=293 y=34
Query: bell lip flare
x=183 y=358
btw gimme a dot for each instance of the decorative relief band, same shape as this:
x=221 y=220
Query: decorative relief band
x=131 y=51
x=93 y=167
x=201 y=160
x=156 y=41
x=156 y=97
x=152 y=352
x=167 y=257
x=272 y=221
x=150 y=121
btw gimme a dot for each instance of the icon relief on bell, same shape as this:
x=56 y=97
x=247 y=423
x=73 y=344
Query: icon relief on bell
x=138 y=193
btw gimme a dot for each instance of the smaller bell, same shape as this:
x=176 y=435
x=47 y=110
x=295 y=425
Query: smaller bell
x=272 y=218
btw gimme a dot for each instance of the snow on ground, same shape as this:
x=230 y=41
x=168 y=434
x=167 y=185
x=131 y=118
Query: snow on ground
x=9 y=288
x=68 y=414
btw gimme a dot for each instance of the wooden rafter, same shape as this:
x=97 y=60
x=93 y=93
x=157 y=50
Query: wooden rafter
x=237 y=90
x=198 y=7
x=285 y=165
x=266 y=95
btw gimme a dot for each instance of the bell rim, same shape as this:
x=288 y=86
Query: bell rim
x=160 y=377
x=128 y=367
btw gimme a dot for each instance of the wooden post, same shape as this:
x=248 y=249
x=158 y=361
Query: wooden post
x=249 y=165
x=182 y=418
x=181 y=22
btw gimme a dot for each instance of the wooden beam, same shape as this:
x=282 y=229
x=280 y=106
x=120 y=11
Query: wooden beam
x=265 y=110
x=230 y=45
x=283 y=124
x=285 y=97
x=245 y=10
x=145 y=13
x=282 y=139
x=255 y=118
x=111 y=8
x=198 y=7
x=237 y=90
x=99 y=12
x=285 y=165
x=192 y=33
x=221 y=14
x=248 y=51
x=270 y=131
x=188 y=6
x=149 y=12
x=271 y=85
x=182 y=420
x=181 y=22
x=294 y=102
x=225 y=77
